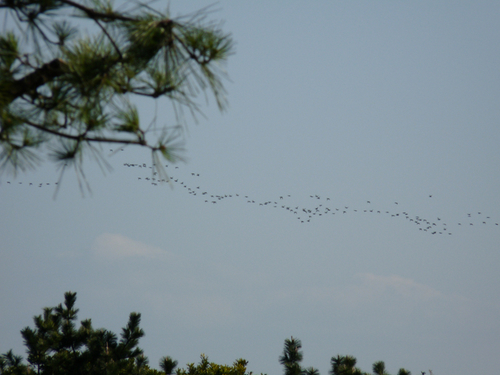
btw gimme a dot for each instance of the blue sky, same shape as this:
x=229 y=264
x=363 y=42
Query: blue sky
x=351 y=102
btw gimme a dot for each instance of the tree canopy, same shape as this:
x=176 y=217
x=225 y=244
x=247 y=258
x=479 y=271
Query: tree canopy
x=204 y=367
x=340 y=365
x=56 y=346
x=292 y=356
x=65 y=92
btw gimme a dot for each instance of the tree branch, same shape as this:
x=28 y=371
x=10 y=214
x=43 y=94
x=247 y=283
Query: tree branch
x=97 y=15
x=85 y=138
x=39 y=77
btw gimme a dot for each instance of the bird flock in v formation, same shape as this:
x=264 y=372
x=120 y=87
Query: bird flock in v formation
x=317 y=206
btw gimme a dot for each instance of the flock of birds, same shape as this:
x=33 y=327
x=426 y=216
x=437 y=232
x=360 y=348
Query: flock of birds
x=37 y=184
x=314 y=207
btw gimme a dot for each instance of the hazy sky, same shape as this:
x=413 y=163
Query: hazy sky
x=349 y=105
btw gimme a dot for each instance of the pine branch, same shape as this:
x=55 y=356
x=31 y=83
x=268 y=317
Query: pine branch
x=91 y=13
x=46 y=73
x=72 y=92
x=84 y=138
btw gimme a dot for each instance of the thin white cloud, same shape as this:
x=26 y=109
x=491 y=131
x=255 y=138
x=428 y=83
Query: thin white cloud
x=394 y=284
x=376 y=293
x=186 y=290
x=112 y=246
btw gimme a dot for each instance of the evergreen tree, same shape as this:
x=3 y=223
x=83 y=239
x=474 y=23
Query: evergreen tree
x=11 y=364
x=344 y=365
x=340 y=365
x=310 y=371
x=57 y=347
x=64 y=93
x=379 y=368
x=168 y=365
x=292 y=357
x=204 y=367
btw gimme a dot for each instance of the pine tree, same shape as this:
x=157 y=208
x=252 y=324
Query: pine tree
x=57 y=347
x=291 y=357
x=344 y=365
x=168 y=365
x=64 y=94
x=205 y=367
x=11 y=364
x=310 y=371
x=379 y=368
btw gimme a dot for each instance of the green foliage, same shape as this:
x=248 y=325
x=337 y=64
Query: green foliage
x=11 y=364
x=62 y=93
x=292 y=357
x=310 y=371
x=56 y=346
x=379 y=368
x=344 y=365
x=340 y=365
x=168 y=365
x=204 y=367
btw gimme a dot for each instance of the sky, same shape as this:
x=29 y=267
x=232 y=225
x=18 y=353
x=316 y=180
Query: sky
x=348 y=197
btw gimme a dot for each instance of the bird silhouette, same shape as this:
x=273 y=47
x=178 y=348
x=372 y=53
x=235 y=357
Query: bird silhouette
x=192 y=183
